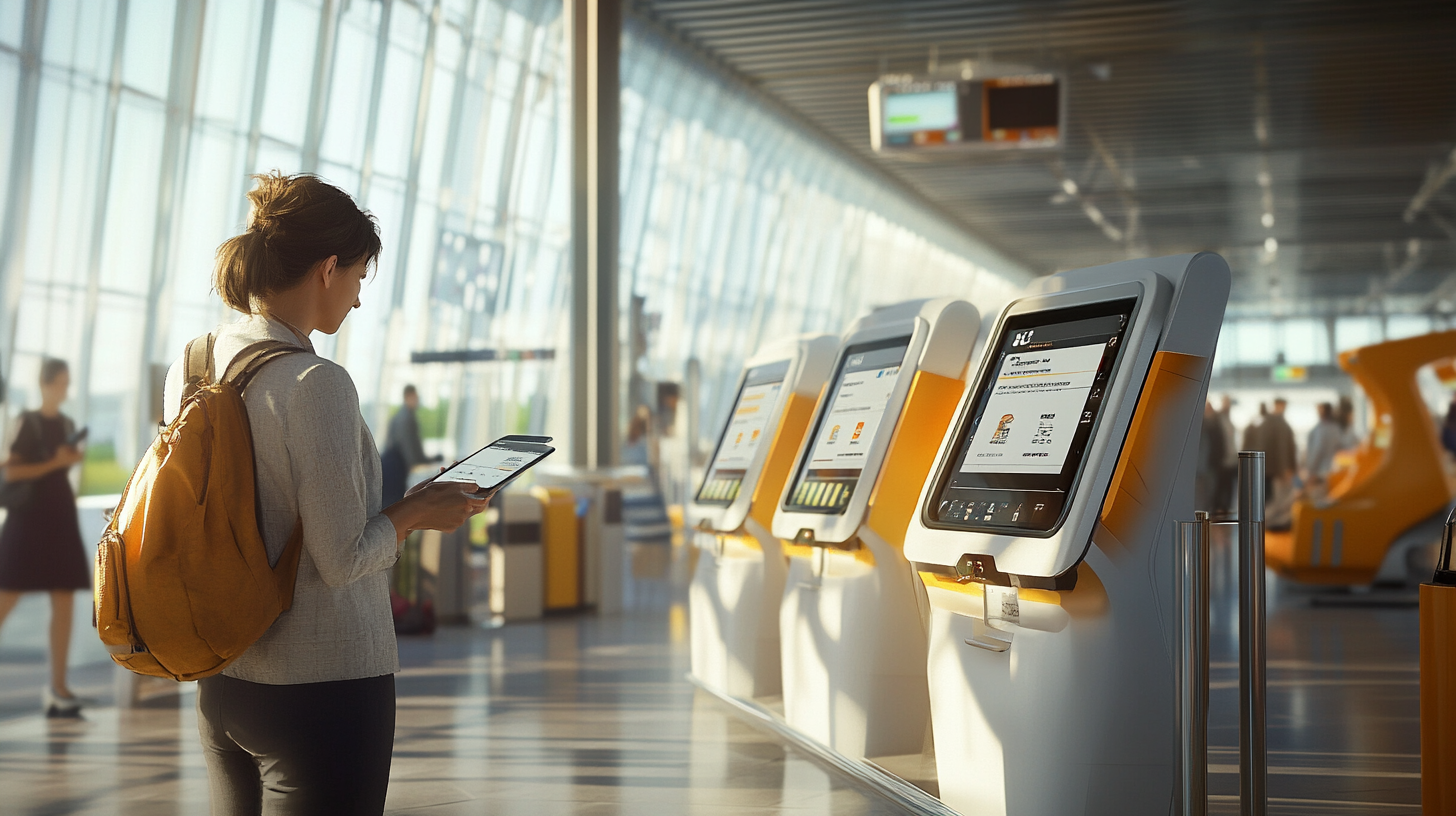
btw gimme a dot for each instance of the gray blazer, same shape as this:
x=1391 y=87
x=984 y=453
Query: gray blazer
x=315 y=460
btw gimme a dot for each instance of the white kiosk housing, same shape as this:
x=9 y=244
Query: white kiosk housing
x=733 y=600
x=852 y=622
x=1044 y=538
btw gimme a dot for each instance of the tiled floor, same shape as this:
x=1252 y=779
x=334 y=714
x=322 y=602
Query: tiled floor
x=574 y=715
x=593 y=716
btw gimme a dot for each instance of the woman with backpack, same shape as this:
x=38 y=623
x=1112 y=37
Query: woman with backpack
x=40 y=546
x=303 y=721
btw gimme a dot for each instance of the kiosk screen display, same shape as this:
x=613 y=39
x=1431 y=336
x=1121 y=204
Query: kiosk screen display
x=1033 y=416
x=744 y=432
x=846 y=430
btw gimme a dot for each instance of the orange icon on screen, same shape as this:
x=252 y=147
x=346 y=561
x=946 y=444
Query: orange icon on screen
x=738 y=439
x=755 y=435
x=1003 y=429
x=857 y=429
x=834 y=433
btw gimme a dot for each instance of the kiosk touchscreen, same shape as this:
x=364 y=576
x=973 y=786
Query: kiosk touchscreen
x=739 y=576
x=852 y=632
x=1044 y=535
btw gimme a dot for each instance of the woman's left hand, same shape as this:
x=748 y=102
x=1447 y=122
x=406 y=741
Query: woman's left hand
x=426 y=482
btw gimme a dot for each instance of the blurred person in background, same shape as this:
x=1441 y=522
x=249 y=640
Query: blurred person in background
x=1223 y=498
x=404 y=450
x=1448 y=428
x=1211 y=446
x=1281 y=465
x=1322 y=445
x=40 y=546
x=1345 y=416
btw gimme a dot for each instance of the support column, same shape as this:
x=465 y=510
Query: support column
x=595 y=31
x=17 y=197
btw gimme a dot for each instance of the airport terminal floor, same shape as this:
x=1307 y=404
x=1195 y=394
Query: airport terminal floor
x=588 y=715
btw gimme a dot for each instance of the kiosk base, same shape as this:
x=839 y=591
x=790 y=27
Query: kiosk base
x=733 y=604
x=853 y=639
x=1068 y=695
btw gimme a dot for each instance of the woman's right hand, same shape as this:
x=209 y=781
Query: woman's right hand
x=440 y=506
x=66 y=457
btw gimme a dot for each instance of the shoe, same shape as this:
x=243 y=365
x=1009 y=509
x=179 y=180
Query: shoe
x=58 y=706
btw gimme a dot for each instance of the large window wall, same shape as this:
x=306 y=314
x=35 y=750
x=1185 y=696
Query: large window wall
x=138 y=122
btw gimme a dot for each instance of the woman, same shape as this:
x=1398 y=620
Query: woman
x=303 y=722
x=40 y=547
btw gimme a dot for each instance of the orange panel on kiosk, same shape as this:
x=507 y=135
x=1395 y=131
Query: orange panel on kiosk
x=1395 y=481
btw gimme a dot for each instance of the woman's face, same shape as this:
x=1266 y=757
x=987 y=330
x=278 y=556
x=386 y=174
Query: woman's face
x=343 y=295
x=55 y=391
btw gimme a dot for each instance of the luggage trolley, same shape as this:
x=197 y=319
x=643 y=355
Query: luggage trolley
x=739 y=579
x=851 y=625
x=1044 y=538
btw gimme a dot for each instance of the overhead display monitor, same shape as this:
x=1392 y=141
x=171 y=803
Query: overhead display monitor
x=743 y=433
x=912 y=114
x=840 y=443
x=1021 y=448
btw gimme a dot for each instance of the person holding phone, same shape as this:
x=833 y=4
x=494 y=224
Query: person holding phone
x=40 y=545
x=303 y=721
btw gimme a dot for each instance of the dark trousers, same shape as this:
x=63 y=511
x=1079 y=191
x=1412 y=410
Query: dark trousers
x=308 y=749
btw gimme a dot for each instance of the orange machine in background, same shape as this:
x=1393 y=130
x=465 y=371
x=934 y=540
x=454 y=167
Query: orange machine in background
x=1393 y=494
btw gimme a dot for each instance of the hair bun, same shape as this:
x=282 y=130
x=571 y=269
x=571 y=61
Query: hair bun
x=270 y=202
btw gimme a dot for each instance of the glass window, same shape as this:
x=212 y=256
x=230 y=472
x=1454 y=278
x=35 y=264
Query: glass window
x=291 y=58
x=1352 y=332
x=1305 y=342
x=12 y=23
x=147 y=55
x=229 y=52
x=736 y=226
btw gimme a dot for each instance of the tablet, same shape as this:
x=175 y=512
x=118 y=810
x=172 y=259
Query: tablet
x=497 y=464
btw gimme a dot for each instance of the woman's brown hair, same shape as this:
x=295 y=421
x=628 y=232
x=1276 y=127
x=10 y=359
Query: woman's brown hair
x=294 y=222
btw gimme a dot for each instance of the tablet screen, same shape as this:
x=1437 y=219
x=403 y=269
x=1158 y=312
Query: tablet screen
x=859 y=394
x=492 y=465
x=1033 y=417
x=746 y=428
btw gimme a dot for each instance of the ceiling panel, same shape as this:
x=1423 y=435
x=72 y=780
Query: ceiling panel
x=1345 y=106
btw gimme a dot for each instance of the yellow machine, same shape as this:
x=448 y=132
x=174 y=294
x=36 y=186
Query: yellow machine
x=1387 y=505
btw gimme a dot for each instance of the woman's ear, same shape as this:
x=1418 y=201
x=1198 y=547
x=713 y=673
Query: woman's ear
x=329 y=269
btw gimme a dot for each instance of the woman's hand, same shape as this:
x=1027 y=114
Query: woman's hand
x=66 y=457
x=440 y=506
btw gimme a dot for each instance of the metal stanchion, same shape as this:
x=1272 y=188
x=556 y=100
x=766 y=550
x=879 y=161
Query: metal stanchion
x=1192 y=666
x=1253 y=756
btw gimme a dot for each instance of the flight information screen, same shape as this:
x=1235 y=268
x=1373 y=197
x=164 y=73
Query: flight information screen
x=1033 y=416
x=743 y=433
x=846 y=431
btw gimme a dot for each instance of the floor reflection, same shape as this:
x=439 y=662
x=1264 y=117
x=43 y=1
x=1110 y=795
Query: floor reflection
x=593 y=716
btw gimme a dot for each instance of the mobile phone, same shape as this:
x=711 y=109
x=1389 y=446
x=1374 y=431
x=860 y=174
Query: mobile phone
x=497 y=464
x=78 y=437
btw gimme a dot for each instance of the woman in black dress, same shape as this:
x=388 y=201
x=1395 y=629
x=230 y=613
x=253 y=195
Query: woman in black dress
x=40 y=546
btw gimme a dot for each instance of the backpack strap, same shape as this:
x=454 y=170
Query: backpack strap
x=198 y=368
x=250 y=360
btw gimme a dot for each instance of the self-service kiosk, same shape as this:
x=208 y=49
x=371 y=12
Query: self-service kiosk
x=852 y=622
x=739 y=579
x=1044 y=538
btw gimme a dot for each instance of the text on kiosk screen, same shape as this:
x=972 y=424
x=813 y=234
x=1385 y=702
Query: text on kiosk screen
x=490 y=466
x=847 y=429
x=1033 y=418
x=746 y=427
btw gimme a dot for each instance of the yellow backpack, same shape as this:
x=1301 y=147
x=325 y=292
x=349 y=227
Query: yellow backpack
x=183 y=584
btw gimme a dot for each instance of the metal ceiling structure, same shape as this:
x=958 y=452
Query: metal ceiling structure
x=1190 y=123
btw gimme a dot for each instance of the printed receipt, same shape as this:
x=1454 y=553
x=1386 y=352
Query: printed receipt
x=1035 y=408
